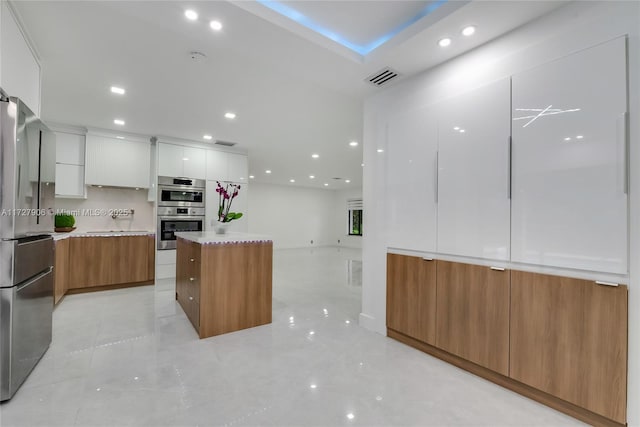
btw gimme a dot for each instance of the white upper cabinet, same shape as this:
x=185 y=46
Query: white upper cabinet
x=570 y=163
x=117 y=162
x=70 y=157
x=473 y=176
x=223 y=166
x=238 y=168
x=412 y=140
x=217 y=165
x=19 y=69
x=181 y=161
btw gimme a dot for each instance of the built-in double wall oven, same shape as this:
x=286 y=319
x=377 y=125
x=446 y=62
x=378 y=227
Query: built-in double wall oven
x=180 y=208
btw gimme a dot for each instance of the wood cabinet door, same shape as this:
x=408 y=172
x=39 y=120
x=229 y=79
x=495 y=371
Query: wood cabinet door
x=61 y=266
x=411 y=297
x=569 y=339
x=473 y=314
x=90 y=262
x=129 y=263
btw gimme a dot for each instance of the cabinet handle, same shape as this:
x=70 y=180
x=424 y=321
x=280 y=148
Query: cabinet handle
x=622 y=130
x=599 y=282
x=497 y=268
x=190 y=298
x=427 y=259
x=510 y=165
x=192 y=260
x=437 y=172
x=191 y=279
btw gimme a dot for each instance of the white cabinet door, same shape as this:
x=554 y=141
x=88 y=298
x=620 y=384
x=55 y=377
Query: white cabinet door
x=217 y=166
x=70 y=148
x=569 y=161
x=238 y=168
x=411 y=180
x=170 y=161
x=194 y=163
x=70 y=181
x=117 y=162
x=473 y=177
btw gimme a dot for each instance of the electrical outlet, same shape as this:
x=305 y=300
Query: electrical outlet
x=338 y=241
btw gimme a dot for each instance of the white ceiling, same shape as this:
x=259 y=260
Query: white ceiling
x=294 y=91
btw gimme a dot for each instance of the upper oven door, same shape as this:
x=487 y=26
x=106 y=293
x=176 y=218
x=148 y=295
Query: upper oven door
x=180 y=196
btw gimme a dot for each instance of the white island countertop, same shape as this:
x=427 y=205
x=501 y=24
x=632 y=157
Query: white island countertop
x=210 y=237
x=110 y=233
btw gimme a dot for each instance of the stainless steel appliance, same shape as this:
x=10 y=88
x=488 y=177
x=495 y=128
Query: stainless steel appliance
x=172 y=219
x=181 y=192
x=26 y=253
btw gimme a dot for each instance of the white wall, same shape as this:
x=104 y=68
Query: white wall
x=341 y=218
x=112 y=198
x=292 y=216
x=574 y=27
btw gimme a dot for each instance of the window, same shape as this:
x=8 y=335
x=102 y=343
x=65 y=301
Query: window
x=354 y=207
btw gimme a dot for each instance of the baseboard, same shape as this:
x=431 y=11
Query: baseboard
x=506 y=382
x=107 y=287
x=370 y=323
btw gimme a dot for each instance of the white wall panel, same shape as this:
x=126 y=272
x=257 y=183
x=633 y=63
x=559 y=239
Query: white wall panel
x=569 y=170
x=411 y=180
x=473 y=177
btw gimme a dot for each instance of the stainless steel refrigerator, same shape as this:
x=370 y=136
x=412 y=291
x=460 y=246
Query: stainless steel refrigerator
x=26 y=251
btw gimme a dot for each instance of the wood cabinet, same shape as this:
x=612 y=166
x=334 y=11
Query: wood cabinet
x=472 y=319
x=224 y=287
x=103 y=261
x=411 y=297
x=61 y=270
x=569 y=339
x=117 y=162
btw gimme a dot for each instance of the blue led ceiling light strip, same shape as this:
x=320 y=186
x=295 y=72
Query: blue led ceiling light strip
x=303 y=20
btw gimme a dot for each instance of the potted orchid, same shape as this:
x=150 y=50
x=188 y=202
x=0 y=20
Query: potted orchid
x=226 y=194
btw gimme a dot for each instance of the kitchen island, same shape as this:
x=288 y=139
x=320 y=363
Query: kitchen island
x=223 y=282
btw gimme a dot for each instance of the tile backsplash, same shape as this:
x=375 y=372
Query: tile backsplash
x=94 y=212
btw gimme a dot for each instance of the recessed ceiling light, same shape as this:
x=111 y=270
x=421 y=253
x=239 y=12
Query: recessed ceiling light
x=313 y=386
x=456 y=128
x=230 y=115
x=119 y=122
x=215 y=25
x=326 y=185
x=350 y=416
x=444 y=42
x=579 y=137
x=315 y=156
x=462 y=131
x=380 y=150
x=467 y=31
x=119 y=137
x=347 y=181
x=353 y=143
x=185 y=158
x=267 y=171
x=251 y=176
x=362 y=164
x=292 y=180
x=118 y=90
x=311 y=176
x=207 y=137
x=567 y=139
x=191 y=14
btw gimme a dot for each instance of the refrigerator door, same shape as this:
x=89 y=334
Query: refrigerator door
x=20 y=171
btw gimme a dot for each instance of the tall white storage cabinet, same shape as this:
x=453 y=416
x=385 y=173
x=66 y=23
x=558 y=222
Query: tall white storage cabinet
x=473 y=173
x=412 y=140
x=570 y=163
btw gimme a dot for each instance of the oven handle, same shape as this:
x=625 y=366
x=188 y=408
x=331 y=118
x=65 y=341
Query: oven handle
x=169 y=218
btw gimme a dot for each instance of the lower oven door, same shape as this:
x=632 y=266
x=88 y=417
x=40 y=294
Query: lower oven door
x=169 y=225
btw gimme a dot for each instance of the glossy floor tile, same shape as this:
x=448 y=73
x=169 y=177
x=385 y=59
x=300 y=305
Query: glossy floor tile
x=130 y=357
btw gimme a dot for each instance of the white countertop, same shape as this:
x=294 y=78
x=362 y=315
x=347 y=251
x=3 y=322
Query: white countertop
x=210 y=237
x=115 y=233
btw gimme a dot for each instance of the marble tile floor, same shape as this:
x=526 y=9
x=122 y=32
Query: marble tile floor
x=130 y=357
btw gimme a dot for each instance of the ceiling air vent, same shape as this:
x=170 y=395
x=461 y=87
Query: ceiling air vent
x=382 y=77
x=225 y=143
